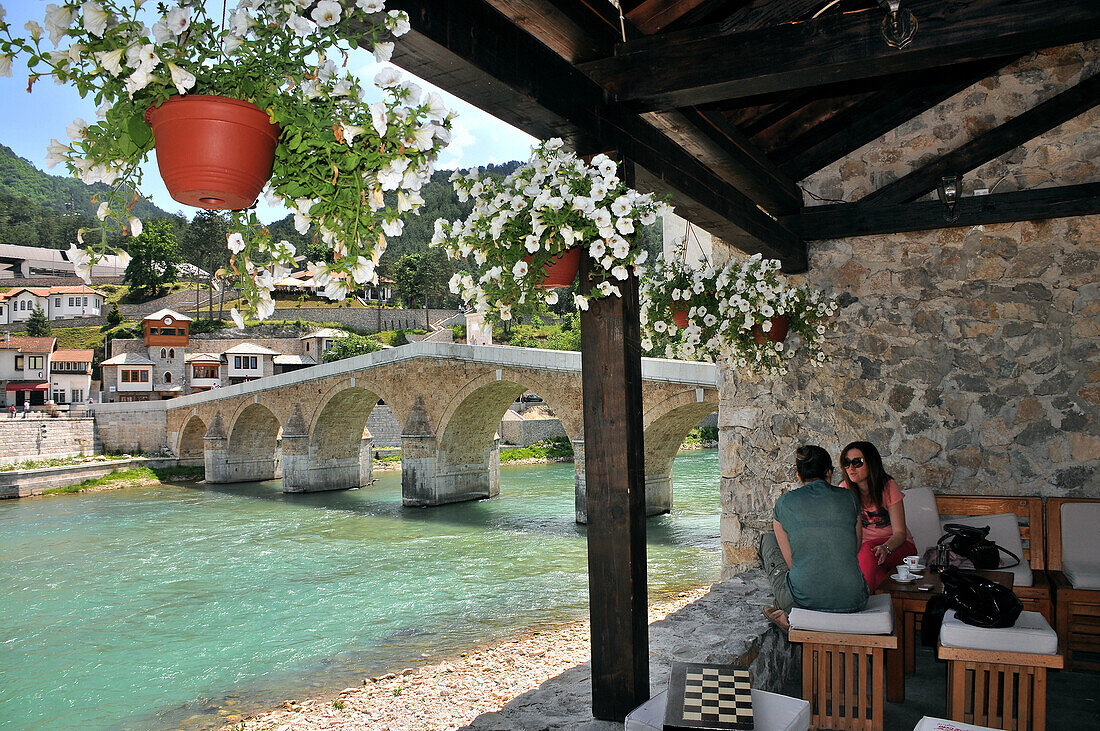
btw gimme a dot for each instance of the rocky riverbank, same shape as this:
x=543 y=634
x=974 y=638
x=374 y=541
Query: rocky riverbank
x=540 y=680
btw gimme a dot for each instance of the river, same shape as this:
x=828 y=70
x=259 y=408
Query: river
x=159 y=607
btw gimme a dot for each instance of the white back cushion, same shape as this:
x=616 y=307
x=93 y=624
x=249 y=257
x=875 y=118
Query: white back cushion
x=1080 y=532
x=921 y=517
x=1004 y=530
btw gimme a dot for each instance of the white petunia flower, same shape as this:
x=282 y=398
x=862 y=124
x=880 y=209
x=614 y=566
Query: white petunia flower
x=300 y=25
x=326 y=13
x=5 y=65
x=103 y=211
x=235 y=242
x=182 y=79
x=178 y=20
x=387 y=77
x=135 y=226
x=398 y=23
x=520 y=269
x=370 y=6
x=58 y=21
x=95 y=18
x=238 y=319
x=581 y=302
x=383 y=52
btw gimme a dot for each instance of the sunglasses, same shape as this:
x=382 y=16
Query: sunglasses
x=857 y=462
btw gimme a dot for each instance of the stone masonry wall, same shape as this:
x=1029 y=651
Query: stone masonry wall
x=969 y=356
x=34 y=439
x=138 y=430
x=383 y=427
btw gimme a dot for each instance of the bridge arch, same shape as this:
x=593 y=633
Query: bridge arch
x=667 y=424
x=190 y=446
x=252 y=450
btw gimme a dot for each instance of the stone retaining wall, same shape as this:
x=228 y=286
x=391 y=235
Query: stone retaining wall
x=383 y=427
x=24 y=483
x=967 y=355
x=24 y=440
x=136 y=427
x=523 y=432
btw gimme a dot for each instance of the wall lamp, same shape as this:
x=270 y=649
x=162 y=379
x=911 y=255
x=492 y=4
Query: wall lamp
x=948 y=190
x=899 y=25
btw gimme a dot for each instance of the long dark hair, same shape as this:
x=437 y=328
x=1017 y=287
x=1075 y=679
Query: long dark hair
x=877 y=477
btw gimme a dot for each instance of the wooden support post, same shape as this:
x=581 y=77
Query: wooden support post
x=611 y=370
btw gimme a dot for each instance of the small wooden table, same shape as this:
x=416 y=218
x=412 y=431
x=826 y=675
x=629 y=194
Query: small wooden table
x=909 y=601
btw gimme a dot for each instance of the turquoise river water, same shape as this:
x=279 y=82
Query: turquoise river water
x=149 y=608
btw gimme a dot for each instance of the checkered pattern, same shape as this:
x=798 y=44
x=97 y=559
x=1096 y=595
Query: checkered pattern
x=718 y=696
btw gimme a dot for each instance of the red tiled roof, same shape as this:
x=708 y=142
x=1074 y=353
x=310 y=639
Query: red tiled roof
x=50 y=291
x=72 y=356
x=28 y=345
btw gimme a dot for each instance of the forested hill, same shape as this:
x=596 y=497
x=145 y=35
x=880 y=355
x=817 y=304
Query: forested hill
x=38 y=209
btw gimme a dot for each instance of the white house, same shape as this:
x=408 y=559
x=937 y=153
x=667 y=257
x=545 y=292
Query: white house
x=318 y=342
x=204 y=371
x=36 y=261
x=58 y=303
x=70 y=376
x=249 y=361
x=25 y=368
x=128 y=377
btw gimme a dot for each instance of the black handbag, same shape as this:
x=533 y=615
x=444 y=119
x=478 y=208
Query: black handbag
x=976 y=600
x=970 y=548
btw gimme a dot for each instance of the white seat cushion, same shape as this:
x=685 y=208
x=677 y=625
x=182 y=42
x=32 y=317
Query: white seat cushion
x=877 y=618
x=1004 y=530
x=1082 y=574
x=1080 y=538
x=942 y=724
x=1031 y=634
x=922 y=518
x=771 y=712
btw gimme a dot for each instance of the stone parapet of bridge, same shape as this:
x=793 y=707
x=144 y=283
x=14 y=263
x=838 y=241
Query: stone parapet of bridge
x=309 y=426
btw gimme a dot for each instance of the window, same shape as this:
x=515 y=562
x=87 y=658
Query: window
x=171 y=353
x=18 y=362
x=59 y=396
x=71 y=302
x=307 y=346
x=34 y=362
x=252 y=362
x=145 y=376
x=57 y=302
x=153 y=331
x=205 y=371
x=131 y=376
x=237 y=362
x=163 y=353
x=85 y=303
x=78 y=395
x=22 y=304
x=168 y=376
x=168 y=331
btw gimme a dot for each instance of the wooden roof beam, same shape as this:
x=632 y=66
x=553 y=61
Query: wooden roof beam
x=847 y=220
x=470 y=49
x=994 y=143
x=709 y=65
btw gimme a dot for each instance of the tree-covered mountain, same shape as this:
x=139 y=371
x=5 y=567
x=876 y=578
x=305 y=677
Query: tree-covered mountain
x=38 y=209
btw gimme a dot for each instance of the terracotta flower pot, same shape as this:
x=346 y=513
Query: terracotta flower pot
x=561 y=270
x=213 y=152
x=680 y=317
x=777 y=334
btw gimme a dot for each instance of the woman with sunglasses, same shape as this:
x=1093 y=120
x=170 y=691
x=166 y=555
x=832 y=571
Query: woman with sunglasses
x=886 y=539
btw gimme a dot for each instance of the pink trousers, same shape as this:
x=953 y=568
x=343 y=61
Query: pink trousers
x=875 y=573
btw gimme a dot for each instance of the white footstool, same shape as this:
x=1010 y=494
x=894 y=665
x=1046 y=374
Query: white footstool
x=844 y=663
x=998 y=677
x=772 y=712
x=942 y=724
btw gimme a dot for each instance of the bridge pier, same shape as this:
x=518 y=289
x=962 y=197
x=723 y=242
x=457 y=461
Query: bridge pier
x=429 y=478
x=658 y=488
x=305 y=473
x=222 y=467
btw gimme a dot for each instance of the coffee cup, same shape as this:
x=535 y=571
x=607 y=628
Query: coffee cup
x=911 y=561
x=903 y=572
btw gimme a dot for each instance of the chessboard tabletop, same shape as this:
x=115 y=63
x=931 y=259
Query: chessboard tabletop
x=709 y=697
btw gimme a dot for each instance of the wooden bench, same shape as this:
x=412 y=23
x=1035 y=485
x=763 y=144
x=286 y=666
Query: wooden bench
x=1077 y=611
x=1029 y=515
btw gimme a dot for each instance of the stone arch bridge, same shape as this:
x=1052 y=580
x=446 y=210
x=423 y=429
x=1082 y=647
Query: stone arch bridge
x=309 y=426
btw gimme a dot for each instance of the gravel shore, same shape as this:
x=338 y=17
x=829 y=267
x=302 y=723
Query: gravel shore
x=451 y=694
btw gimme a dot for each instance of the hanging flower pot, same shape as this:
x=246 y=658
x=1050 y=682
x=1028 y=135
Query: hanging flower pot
x=560 y=271
x=680 y=317
x=778 y=332
x=213 y=152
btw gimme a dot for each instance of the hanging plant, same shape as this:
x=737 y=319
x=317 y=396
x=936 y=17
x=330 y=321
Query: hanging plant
x=527 y=220
x=733 y=314
x=350 y=167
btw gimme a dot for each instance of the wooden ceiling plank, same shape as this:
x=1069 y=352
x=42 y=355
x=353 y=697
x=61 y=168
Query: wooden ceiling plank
x=470 y=49
x=710 y=66
x=989 y=146
x=847 y=220
x=765 y=13
x=867 y=121
x=653 y=15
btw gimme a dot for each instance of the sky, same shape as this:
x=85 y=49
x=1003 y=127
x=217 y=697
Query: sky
x=29 y=121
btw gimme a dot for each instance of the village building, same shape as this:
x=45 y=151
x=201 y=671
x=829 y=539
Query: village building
x=20 y=262
x=57 y=303
x=71 y=376
x=25 y=369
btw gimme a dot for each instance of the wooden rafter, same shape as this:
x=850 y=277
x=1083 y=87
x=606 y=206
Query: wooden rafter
x=650 y=16
x=473 y=51
x=873 y=117
x=846 y=220
x=991 y=145
x=710 y=65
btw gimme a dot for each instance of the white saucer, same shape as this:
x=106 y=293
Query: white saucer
x=897 y=578
x=918 y=567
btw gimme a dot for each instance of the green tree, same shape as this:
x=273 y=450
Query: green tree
x=419 y=276
x=155 y=258
x=114 y=318
x=350 y=346
x=38 y=325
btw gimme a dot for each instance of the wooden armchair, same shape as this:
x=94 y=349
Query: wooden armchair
x=1077 y=611
x=1029 y=516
